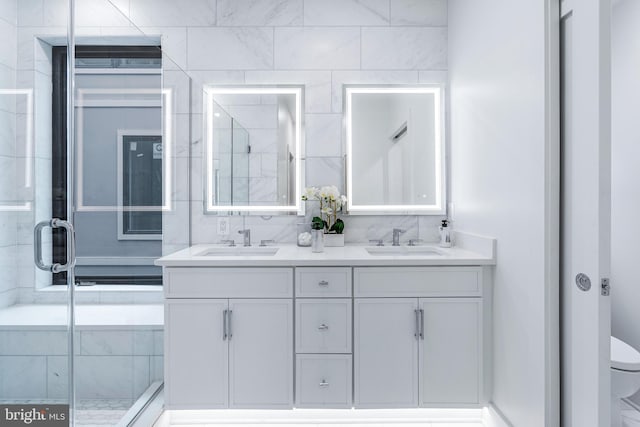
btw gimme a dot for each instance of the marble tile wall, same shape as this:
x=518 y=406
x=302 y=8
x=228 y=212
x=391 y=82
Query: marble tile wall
x=8 y=153
x=33 y=130
x=110 y=363
x=87 y=295
x=321 y=44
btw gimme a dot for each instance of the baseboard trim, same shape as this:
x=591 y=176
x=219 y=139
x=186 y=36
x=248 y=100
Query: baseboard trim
x=315 y=417
x=490 y=416
x=493 y=417
x=631 y=403
x=164 y=420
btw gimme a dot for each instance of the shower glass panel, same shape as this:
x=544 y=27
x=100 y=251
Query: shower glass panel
x=34 y=315
x=130 y=205
x=121 y=175
x=117 y=213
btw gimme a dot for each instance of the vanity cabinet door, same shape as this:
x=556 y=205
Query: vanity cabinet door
x=261 y=353
x=197 y=354
x=450 y=351
x=385 y=352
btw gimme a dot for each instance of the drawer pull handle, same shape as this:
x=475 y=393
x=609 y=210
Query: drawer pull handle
x=323 y=327
x=323 y=383
x=323 y=283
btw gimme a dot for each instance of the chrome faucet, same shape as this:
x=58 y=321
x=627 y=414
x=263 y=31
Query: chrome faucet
x=396 y=236
x=229 y=242
x=247 y=236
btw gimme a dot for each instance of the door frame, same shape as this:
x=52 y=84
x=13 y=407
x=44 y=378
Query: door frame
x=557 y=341
x=552 y=214
x=555 y=10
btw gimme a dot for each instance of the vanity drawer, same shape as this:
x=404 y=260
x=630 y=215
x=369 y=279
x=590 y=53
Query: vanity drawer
x=323 y=282
x=323 y=381
x=323 y=326
x=228 y=282
x=417 y=281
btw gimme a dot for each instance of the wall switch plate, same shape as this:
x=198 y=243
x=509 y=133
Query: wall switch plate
x=223 y=226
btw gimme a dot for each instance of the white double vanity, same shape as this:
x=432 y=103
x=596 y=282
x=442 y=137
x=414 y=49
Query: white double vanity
x=282 y=327
x=278 y=327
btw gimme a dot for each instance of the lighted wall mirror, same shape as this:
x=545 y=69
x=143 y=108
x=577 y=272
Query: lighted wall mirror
x=254 y=143
x=395 y=149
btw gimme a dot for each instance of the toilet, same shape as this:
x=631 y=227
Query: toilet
x=625 y=376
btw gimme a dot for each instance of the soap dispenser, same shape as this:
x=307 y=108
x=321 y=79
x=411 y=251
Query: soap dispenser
x=445 y=234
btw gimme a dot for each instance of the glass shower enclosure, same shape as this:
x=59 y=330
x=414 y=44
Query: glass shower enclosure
x=35 y=319
x=94 y=186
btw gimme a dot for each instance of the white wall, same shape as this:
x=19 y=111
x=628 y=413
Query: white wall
x=371 y=135
x=497 y=130
x=625 y=174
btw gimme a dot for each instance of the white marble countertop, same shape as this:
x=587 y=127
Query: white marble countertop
x=289 y=255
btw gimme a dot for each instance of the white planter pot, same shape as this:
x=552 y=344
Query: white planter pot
x=334 y=240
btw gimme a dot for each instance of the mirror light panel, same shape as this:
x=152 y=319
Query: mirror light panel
x=28 y=148
x=210 y=93
x=435 y=209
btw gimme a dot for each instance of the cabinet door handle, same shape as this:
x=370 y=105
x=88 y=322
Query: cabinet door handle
x=323 y=283
x=323 y=327
x=229 y=334
x=224 y=325
x=323 y=383
x=422 y=324
x=416 y=332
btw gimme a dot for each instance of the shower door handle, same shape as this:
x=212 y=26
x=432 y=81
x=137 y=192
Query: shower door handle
x=71 y=245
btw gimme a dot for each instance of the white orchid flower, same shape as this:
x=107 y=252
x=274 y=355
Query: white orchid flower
x=330 y=192
x=327 y=211
x=331 y=202
x=341 y=202
x=310 y=193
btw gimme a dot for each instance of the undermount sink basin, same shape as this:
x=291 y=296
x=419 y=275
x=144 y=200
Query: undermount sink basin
x=403 y=251
x=240 y=251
